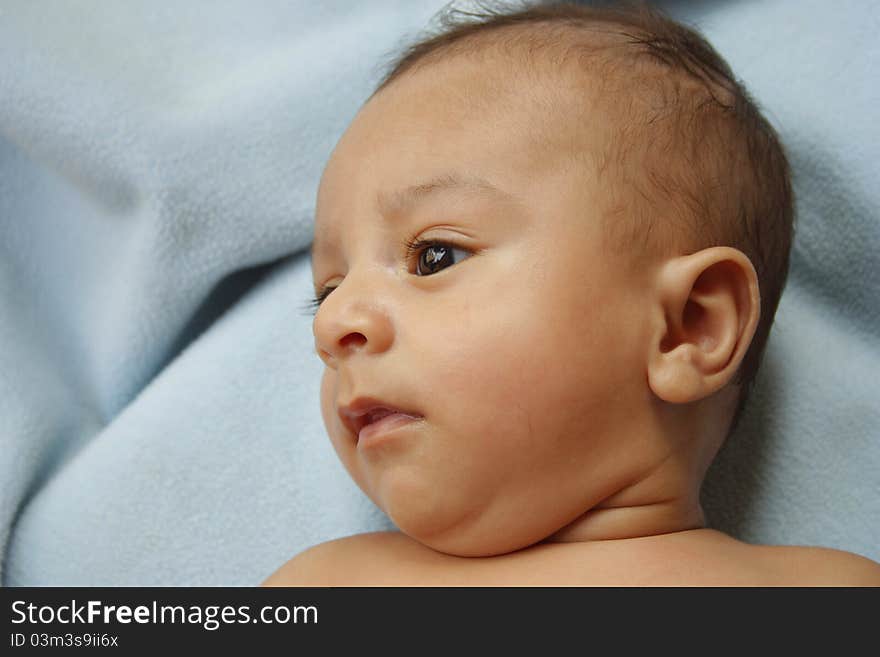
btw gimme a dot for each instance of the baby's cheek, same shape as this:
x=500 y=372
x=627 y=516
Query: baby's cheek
x=495 y=380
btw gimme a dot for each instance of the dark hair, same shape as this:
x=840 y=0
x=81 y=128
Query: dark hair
x=691 y=150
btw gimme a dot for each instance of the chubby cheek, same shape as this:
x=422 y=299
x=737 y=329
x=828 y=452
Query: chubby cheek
x=534 y=432
x=512 y=399
x=511 y=372
x=504 y=404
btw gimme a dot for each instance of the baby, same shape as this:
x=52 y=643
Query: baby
x=548 y=252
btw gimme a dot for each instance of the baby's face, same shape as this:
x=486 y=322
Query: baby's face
x=507 y=332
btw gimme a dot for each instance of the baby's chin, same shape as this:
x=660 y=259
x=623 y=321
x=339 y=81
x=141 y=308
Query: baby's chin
x=468 y=544
x=453 y=517
x=463 y=534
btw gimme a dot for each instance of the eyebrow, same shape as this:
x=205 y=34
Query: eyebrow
x=403 y=199
x=393 y=203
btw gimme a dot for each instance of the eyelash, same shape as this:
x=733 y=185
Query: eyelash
x=412 y=246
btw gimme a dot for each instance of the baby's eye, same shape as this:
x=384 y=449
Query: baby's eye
x=430 y=257
x=315 y=303
x=434 y=256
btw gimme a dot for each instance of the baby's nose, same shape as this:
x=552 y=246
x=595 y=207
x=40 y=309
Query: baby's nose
x=348 y=323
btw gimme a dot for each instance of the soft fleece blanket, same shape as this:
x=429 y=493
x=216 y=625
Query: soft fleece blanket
x=159 y=417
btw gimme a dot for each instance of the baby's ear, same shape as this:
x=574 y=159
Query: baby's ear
x=708 y=307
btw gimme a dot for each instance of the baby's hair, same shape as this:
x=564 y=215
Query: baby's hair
x=691 y=162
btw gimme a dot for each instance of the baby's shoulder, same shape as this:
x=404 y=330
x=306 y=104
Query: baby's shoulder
x=709 y=557
x=361 y=559
x=697 y=558
x=819 y=566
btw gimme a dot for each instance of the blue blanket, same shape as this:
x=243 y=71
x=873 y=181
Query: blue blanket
x=158 y=394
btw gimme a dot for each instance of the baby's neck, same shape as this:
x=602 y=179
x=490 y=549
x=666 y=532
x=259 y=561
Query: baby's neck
x=666 y=498
x=631 y=521
x=663 y=502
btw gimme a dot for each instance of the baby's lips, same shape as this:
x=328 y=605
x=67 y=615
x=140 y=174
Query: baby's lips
x=362 y=411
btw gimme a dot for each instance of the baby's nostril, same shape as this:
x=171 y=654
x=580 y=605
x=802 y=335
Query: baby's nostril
x=353 y=340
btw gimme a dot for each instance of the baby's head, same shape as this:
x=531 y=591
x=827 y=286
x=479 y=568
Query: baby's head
x=545 y=236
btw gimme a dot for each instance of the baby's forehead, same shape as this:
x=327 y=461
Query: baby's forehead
x=568 y=98
x=511 y=122
x=519 y=123
x=565 y=103
x=547 y=105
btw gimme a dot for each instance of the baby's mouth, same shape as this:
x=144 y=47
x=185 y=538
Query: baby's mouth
x=363 y=413
x=382 y=425
x=378 y=414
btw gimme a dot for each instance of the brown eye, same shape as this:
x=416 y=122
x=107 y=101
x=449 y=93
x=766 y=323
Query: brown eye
x=435 y=256
x=433 y=259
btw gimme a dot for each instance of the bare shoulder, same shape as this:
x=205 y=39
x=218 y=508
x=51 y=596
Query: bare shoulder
x=707 y=557
x=726 y=560
x=359 y=560
x=819 y=566
x=694 y=558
